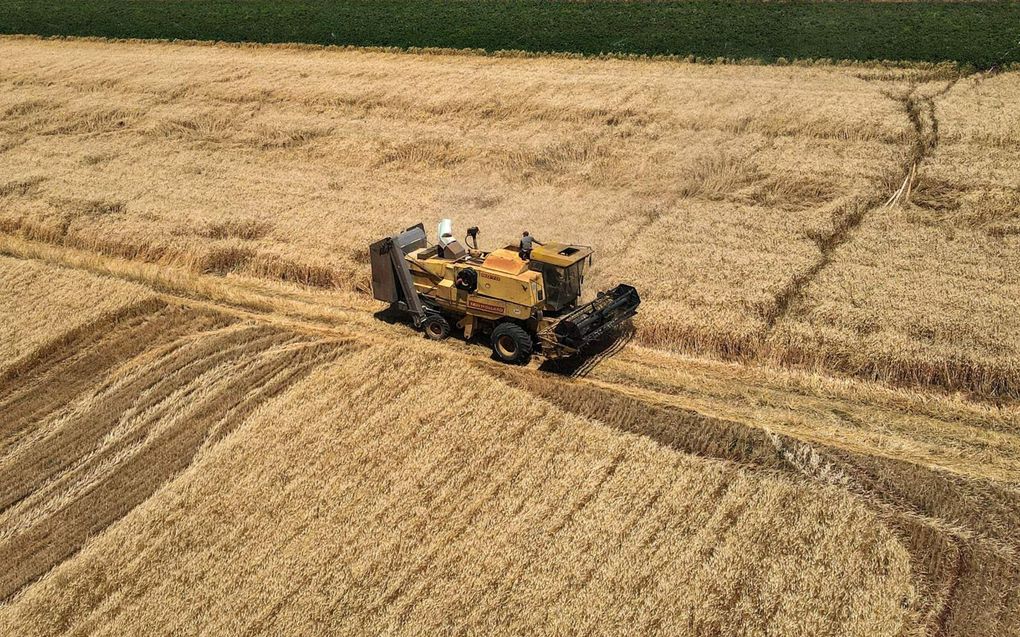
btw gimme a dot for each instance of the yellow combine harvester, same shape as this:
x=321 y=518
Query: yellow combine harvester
x=525 y=305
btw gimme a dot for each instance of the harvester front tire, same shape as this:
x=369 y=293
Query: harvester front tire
x=436 y=328
x=512 y=344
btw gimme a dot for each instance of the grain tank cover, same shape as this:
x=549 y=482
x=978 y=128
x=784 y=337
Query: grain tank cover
x=504 y=260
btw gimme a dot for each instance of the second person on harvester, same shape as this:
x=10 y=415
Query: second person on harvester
x=526 y=244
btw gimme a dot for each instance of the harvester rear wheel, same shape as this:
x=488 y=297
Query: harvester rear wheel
x=436 y=328
x=512 y=344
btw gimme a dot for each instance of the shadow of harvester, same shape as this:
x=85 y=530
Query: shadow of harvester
x=581 y=364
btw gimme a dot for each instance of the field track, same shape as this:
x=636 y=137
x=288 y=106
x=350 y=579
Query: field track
x=958 y=521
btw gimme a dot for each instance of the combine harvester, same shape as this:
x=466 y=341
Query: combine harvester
x=525 y=305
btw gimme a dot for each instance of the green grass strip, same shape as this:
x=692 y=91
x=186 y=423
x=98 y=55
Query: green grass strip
x=984 y=35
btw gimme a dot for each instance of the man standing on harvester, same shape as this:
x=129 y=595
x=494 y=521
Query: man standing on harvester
x=526 y=244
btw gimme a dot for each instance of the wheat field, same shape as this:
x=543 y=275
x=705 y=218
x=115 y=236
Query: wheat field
x=746 y=203
x=928 y=290
x=193 y=464
x=205 y=428
x=350 y=511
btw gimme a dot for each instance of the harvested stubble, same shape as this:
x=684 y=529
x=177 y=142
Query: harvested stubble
x=377 y=507
x=32 y=320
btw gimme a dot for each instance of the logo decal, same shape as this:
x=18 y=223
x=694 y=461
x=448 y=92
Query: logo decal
x=485 y=307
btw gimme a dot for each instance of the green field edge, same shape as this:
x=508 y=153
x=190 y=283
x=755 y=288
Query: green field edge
x=985 y=35
x=931 y=70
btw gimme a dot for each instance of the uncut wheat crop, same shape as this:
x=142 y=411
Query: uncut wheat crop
x=734 y=197
x=928 y=289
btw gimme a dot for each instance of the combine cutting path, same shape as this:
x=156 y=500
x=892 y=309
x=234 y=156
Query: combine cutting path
x=96 y=426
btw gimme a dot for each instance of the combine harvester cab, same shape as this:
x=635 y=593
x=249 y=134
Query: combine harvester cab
x=524 y=306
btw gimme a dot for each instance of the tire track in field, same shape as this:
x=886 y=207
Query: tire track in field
x=21 y=404
x=963 y=534
x=920 y=112
x=141 y=392
x=79 y=364
x=91 y=452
